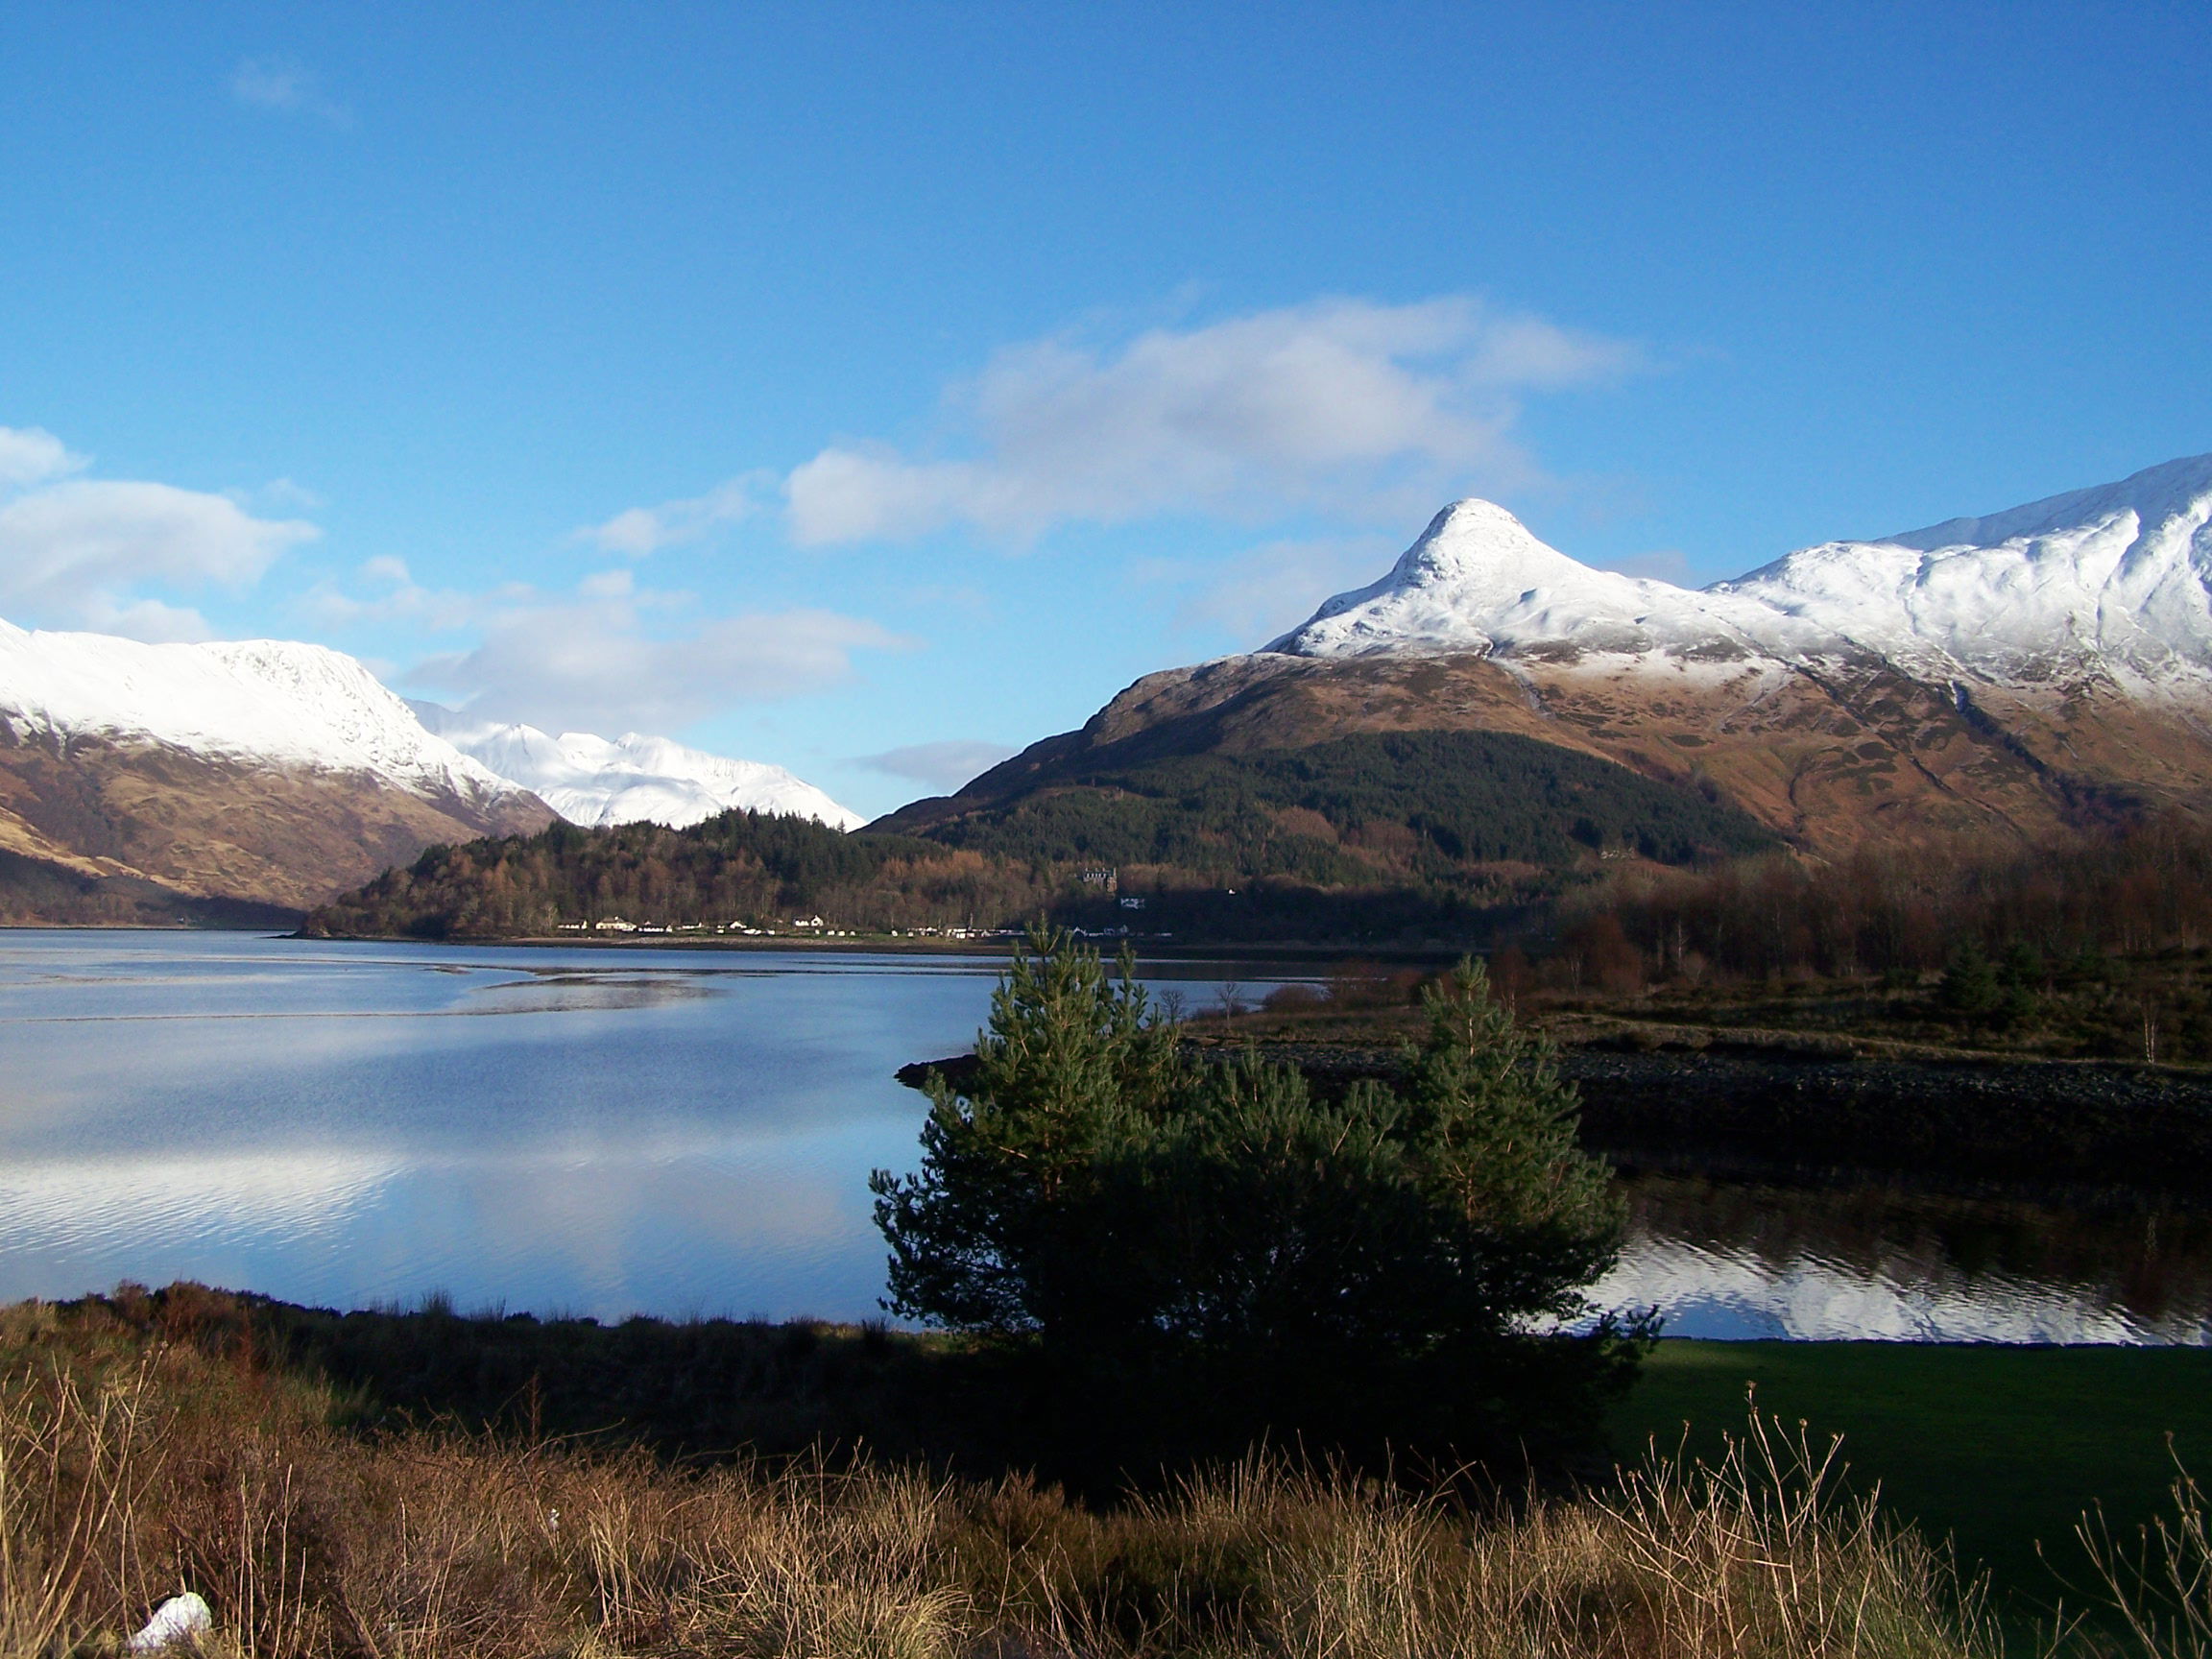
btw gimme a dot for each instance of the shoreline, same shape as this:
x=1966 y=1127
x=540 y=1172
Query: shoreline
x=1000 y=944
x=872 y=944
x=1975 y=1125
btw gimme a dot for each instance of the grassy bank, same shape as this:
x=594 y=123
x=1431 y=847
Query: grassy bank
x=425 y=1504
x=134 y=1462
x=1996 y=1448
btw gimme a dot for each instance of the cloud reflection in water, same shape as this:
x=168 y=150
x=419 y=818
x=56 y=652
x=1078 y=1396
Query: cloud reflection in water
x=684 y=1132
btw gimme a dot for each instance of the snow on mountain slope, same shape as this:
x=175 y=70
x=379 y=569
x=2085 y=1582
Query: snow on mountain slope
x=265 y=702
x=2111 y=581
x=1479 y=580
x=593 y=781
x=2112 y=578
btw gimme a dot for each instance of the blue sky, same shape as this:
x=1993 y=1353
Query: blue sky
x=876 y=388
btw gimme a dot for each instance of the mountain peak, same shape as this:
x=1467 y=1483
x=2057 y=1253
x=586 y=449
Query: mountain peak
x=263 y=701
x=1474 y=540
x=1475 y=514
x=1480 y=579
x=262 y=769
x=2171 y=491
x=593 y=781
x=2113 y=582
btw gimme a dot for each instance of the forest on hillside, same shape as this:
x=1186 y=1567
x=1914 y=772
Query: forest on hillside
x=1377 y=838
x=755 y=868
x=1489 y=856
x=781 y=875
x=1396 y=806
x=1891 y=910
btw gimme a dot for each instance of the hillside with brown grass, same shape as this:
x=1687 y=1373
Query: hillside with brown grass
x=1861 y=756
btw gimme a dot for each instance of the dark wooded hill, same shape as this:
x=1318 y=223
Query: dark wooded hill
x=1422 y=805
x=1372 y=838
x=751 y=867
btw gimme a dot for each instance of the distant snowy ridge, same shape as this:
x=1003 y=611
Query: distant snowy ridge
x=596 y=782
x=2113 y=582
x=264 y=702
x=291 y=707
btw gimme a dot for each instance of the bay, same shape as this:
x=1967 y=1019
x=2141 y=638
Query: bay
x=594 y=1131
x=680 y=1132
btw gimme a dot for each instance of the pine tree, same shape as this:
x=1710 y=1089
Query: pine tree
x=1243 y=1257
x=1970 y=987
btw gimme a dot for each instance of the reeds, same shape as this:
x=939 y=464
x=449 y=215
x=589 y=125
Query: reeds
x=131 y=1469
x=2161 y=1584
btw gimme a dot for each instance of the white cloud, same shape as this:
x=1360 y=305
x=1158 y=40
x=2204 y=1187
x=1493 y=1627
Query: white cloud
x=79 y=547
x=1340 y=403
x=1266 y=591
x=642 y=530
x=1527 y=353
x=945 y=766
x=592 y=662
x=148 y=619
x=401 y=599
x=285 y=492
x=849 y=495
x=31 y=455
x=282 y=83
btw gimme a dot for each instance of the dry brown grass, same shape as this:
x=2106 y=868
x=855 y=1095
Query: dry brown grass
x=2161 y=1583
x=130 y=1469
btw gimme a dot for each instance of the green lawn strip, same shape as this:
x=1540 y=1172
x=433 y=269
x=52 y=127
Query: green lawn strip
x=1993 y=1447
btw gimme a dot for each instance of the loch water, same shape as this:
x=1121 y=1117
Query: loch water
x=690 y=1132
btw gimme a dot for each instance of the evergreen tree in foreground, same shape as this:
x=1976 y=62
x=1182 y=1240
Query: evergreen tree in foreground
x=1201 y=1254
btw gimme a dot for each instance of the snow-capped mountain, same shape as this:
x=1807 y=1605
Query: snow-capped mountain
x=2017 y=675
x=267 y=770
x=2108 y=584
x=271 y=702
x=144 y=780
x=1479 y=581
x=593 y=782
x=2111 y=581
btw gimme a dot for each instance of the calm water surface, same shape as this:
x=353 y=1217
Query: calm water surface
x=597 y=1131
x=685 y=1132
x=1733 y=1259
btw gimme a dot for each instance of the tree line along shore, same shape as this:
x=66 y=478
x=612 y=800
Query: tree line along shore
x=2048 y=919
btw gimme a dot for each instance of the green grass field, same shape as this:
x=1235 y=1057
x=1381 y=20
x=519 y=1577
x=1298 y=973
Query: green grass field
x=1995 y=1448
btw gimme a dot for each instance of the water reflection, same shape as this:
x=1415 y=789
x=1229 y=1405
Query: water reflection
x=690 y=1132
x=1747 y=1259
x=601 y=1132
